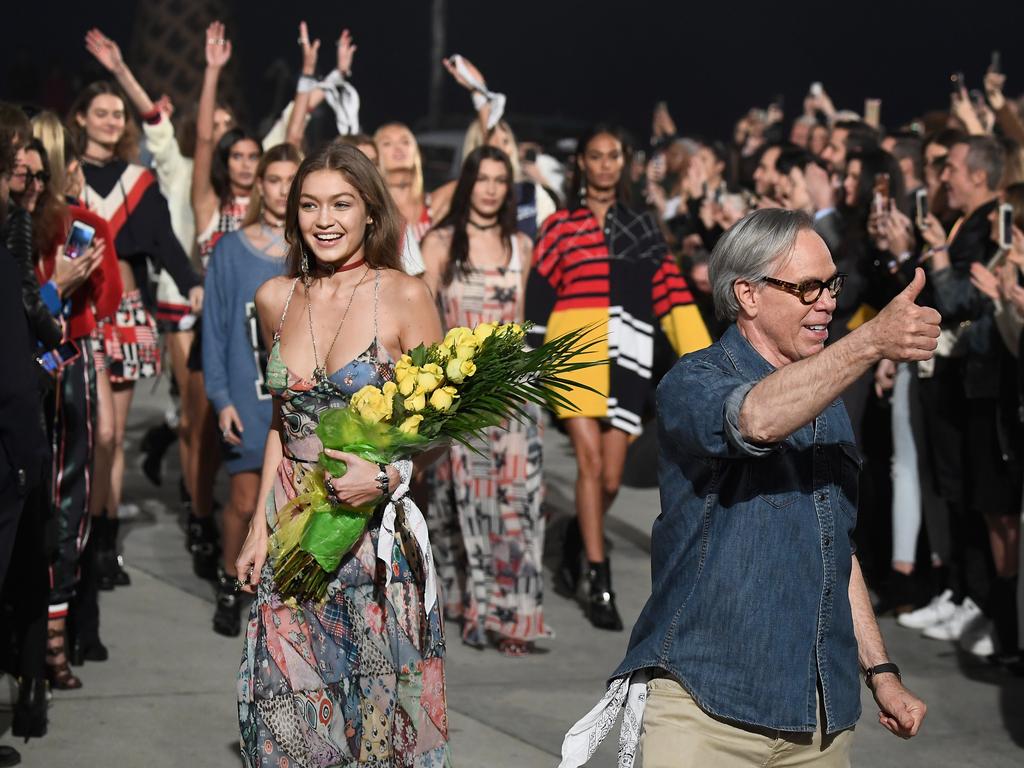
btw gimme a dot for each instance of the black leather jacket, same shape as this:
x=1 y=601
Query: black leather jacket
x=17 y=236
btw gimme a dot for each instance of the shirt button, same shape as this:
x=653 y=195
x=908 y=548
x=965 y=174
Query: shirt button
x=827 y=540
x=821 y=496
x=828 y=592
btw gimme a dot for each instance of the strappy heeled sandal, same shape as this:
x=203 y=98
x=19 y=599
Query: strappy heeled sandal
x=57 y=670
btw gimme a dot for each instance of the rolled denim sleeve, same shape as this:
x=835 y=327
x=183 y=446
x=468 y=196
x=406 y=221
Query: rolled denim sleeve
x=699 y=407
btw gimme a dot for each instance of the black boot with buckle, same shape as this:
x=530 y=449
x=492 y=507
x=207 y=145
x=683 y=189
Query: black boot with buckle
x=567 y=576
x=600 y=606
x=227 y=618
x=204 y=545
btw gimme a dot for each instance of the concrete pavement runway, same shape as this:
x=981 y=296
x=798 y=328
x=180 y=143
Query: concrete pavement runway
x=166 y=696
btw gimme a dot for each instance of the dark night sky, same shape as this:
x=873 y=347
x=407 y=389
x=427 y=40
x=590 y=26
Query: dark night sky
x=593 y=60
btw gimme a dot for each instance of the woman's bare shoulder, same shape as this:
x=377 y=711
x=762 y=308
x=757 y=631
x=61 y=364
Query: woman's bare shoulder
x=272 y=294
x=401 y=289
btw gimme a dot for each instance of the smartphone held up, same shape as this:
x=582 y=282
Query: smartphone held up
x=80 y=237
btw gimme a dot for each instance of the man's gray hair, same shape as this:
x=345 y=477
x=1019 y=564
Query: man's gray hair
x=750 y=250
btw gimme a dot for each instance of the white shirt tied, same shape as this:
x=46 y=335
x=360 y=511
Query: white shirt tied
x=340 y=95
x=416 y=523
x=628 y=694
x=481 y=94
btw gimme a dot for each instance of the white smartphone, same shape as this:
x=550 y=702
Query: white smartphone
x=921 y=207
x=1006 y=226
x=79 y=239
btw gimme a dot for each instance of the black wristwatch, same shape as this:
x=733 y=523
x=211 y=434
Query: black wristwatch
x=878 y=669
x=383 y=481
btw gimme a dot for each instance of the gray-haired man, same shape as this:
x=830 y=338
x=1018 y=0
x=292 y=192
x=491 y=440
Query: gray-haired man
x=749 y=649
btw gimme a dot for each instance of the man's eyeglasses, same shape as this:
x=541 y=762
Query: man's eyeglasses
x=809 y=291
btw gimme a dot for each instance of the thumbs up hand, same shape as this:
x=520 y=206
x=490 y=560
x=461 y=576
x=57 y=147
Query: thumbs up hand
x=904 y=331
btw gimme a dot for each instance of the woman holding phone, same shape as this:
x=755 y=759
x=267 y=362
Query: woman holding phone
x=61 y=232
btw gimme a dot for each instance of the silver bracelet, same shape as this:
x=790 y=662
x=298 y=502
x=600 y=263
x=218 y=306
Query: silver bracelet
x=306 y=84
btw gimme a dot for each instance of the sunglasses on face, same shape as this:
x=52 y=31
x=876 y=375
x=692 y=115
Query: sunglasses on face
x=809 y=291
x=41 y=176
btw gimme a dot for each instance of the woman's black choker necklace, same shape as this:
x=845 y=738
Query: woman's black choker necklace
x=482 y=227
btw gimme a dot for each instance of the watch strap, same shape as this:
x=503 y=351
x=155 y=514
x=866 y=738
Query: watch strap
x=879 y=669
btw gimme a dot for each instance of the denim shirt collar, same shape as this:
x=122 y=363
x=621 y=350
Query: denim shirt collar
x=748 y=361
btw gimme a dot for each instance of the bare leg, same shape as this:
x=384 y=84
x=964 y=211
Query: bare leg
x=123 y=393
x=204 y=449
x=585 y=434
x=245 y=487
x=179 y=344
x=103 y=456
x=1004 y=538
x=614 y=444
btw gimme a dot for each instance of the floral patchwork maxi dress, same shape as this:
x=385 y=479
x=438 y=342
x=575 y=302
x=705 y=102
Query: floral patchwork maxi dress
x=485 y=516
x=359 y=680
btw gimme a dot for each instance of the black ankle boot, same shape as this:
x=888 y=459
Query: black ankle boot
x=9 y=756
x=899 y=595
x=227 y=618
x=30 y=711
x=204 y=546
x=110 y=570
x=601 y=608
x=567 y=576
x=155 y=444
x=121 y=577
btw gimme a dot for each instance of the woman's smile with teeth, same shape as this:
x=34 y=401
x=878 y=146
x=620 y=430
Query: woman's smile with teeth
x=328 y=237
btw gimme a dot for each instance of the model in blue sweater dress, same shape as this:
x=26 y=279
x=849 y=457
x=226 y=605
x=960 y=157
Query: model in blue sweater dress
x=234 y=356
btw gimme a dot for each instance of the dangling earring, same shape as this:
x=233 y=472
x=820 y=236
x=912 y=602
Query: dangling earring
x=304 y=266
x=583 y=190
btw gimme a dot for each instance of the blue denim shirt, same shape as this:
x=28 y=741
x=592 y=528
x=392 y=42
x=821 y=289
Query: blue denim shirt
x=751 y=554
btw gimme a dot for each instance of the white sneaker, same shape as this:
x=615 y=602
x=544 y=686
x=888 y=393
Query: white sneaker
x=976 y=637
x=953 y=627
x=938 y=610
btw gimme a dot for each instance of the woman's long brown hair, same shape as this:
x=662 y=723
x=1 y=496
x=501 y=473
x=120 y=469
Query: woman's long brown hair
x=281 y=153
x=127 y=147
x=383 y=238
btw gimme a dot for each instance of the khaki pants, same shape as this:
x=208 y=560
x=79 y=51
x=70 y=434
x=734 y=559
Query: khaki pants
x=677 y=733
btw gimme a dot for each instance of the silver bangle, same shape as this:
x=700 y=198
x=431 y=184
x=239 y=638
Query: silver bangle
x=306 y=84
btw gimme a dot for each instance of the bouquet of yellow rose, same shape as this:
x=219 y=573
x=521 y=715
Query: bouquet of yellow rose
x=450 y=391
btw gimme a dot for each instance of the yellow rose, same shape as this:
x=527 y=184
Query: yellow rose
x=443 y=398
x=390 y=388
x=402 y=366
x=371 y=404
x=430 y=377
x=465 y=352
x=416 y=402
x=443 y=351
x=453 y=371
x=411 y=426
x=484 y=330
x=407 y=382
x=457 y=336
x=467 y=368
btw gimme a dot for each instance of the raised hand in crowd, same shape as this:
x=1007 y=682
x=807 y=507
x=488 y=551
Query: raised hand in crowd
x=346 y=52
x=71 y=274
x=962 y=107
x=108 y=53
x=304 y=94
x=993 y=84
x=662 y=124
x=218 y=53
